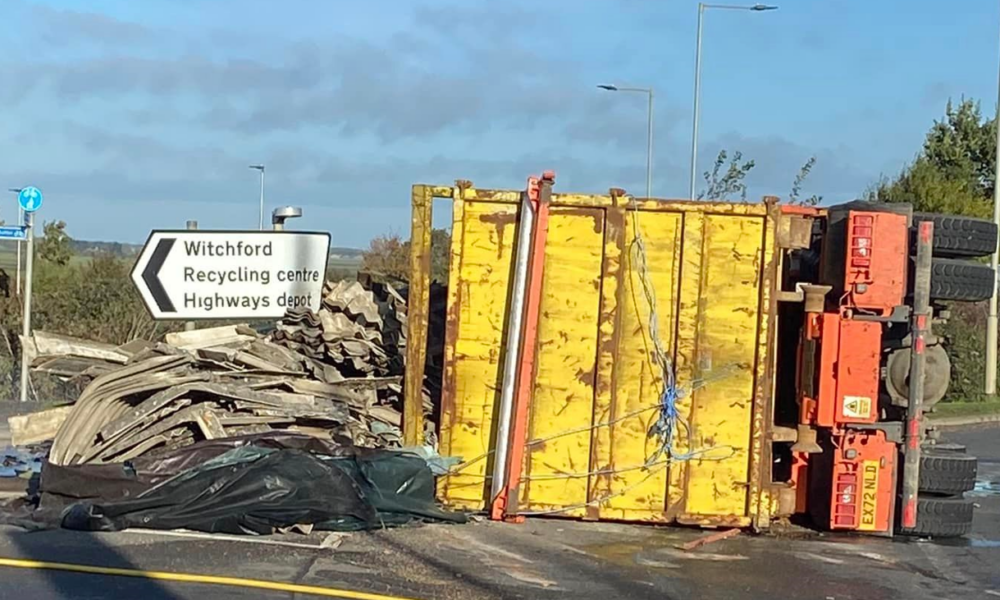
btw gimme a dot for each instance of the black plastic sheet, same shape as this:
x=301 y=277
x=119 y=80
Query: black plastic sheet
x=252 y=484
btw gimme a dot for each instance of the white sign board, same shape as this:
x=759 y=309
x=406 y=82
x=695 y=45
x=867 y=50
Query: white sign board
x=189 y=275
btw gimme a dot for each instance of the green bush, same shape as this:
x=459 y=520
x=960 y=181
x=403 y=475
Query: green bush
x=965 y=335
x=95 y=300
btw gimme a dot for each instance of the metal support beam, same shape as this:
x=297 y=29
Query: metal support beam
x=418 y=305
x=990 y=385
x=524 y=387
x=920 y=329
x=512 y=353
x=190 y=325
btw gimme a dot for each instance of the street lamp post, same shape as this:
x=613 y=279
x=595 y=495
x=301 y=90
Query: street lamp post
x=20 y=223
x=260 y=224
x=282 y=214
x=697 y=79
x=649 y=129
x=990 y=385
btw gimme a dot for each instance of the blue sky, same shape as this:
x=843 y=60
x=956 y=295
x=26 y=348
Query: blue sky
x=133 y=115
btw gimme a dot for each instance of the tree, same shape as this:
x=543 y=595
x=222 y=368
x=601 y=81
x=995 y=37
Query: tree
x=440 y=255
x=963 y=147
x=930 y=189
x=954 y=172
x=793 y=195
x=389 y=256
x=725 y=180
x=721 y=185
x=56 y=246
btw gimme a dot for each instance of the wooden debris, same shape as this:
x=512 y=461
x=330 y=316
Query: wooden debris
x=715 y=536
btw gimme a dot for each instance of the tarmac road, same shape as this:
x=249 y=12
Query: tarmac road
x=544 y=558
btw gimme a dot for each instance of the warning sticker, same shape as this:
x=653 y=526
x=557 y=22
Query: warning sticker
x=857 y=407
x=869 y=495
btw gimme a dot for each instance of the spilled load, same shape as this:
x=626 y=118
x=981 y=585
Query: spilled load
x=311 y=403
x=334 y=374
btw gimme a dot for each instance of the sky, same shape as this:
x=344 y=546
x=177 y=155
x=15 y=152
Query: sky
x=136 y=115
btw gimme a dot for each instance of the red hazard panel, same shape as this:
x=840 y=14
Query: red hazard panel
x=863 y=482
x=876 y=266
x=848 y=371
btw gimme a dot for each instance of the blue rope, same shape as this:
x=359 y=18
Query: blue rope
x=669 y=420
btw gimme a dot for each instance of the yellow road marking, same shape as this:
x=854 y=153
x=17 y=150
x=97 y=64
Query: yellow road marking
x=193 y=578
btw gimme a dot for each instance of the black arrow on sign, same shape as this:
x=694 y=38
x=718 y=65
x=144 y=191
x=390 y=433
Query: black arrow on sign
x=151 y=275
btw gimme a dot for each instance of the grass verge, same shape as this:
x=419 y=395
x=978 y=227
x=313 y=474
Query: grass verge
x=965 y=409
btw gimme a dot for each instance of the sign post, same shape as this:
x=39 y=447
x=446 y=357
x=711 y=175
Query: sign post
x=30 y=199
x=189 y=325
x=189 y=275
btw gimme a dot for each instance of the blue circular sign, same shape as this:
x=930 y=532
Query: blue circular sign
x=30 y=199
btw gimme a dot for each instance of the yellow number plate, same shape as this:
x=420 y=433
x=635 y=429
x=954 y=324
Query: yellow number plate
x=869 y=495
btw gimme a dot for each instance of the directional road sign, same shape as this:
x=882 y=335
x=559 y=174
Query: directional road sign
x=13 y=233
x=191 y=275
x=30 y=199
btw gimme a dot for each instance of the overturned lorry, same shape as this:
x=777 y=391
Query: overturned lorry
x=609 y=357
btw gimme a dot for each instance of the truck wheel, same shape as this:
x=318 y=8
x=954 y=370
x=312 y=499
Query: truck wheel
x=956 y=236
x=947 y=473
x=942 y=517
x=960 y=280
x=949 y=448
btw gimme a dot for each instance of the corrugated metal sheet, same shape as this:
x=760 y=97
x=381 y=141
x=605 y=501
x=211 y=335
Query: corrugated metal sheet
x=596 y=387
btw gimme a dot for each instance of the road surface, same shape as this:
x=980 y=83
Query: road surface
x=544 y=558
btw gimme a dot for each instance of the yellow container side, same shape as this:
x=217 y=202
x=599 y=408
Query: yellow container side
x=555 y=474
x=630 y=386
x=477 y=306
x=720 y=298
x=597 y=385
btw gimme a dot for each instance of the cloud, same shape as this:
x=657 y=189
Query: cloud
x=142 y=167
x=63 y=27
x=147 y=117
x=481 y=20
x=414 y=84
x=111 y=76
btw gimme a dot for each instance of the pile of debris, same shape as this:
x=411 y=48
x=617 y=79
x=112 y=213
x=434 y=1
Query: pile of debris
x=335 y=375
x=359 y=332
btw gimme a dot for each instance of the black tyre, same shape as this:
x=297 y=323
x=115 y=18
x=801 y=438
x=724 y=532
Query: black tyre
x=942 y=517
x=946 y=448
x=947 y=473
x=960 y=280
x=956 y=236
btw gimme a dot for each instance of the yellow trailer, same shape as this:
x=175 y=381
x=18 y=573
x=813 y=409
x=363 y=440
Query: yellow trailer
x=712 y=267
